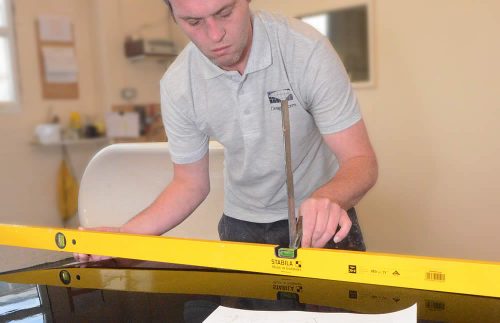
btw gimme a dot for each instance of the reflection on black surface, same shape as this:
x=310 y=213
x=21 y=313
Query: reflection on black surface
x=20 y=303
x=196 y=311
x=136 y=291
x=14 y=297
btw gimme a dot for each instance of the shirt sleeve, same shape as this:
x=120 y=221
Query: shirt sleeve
x=187 y=143
x=328 y=92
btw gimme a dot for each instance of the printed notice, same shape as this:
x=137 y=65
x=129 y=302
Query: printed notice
x=60 y=64
x=54 y=28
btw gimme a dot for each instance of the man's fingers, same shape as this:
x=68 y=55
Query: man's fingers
x=323 y=214
x=331 y=227
x=308 y=224
x=98 y=258
x=345 y=225
x=82 y=257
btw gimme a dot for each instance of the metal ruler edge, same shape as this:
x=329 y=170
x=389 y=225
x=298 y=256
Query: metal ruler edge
x=428 y=273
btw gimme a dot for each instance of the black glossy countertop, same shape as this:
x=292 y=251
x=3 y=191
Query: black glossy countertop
x=133 y=291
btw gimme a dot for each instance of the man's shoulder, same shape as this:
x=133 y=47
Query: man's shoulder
x=285 y=28
x=178 y=75
x=299 y=45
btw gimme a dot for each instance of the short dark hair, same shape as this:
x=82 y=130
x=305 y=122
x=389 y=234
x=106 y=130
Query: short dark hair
x=167 y=2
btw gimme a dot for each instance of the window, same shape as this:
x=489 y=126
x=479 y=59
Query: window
x=24 y=303
x=348 y=28
x=8 y=71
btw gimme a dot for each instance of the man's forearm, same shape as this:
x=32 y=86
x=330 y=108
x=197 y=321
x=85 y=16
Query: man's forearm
x=170 y=208
x=351 y=182
x=187 y=190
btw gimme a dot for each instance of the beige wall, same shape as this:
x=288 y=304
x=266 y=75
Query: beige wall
x=28 y=172
x=112 y=21
x=431 y=117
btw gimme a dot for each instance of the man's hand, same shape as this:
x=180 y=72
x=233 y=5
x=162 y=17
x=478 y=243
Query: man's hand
x=324 y=211
x=320 y=219
x=83 y=257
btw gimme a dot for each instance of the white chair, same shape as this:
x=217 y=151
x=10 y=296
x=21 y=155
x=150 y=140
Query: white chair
x=123 y=179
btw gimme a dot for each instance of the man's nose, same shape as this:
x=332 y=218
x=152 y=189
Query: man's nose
x=215 y=30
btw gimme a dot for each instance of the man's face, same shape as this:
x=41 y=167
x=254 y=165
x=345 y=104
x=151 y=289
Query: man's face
x=221 y=29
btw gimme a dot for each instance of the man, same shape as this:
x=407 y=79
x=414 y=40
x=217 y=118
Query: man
x=226 y=85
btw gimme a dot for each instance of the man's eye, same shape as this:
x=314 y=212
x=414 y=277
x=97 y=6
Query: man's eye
x=226 y=13
x=193 y=22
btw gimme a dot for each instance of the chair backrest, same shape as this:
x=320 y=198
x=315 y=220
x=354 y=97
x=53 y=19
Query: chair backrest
x=123 y=179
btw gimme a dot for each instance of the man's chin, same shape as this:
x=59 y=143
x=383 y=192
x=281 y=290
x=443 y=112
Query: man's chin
x=225 y=63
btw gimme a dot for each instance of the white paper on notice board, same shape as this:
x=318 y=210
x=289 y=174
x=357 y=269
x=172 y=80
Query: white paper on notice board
x=55 y=28
x=60 y=64
x=122 y=125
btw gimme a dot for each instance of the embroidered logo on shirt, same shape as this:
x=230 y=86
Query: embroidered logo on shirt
x=275 y=98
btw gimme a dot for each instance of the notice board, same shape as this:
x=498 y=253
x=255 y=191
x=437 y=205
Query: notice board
x=57 y=57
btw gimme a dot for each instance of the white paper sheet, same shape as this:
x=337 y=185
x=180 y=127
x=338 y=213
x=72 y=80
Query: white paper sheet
x=55 y=28
x=225 y=315
x=60 y=64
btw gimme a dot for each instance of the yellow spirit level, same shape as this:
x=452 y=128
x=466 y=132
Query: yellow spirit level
x=437 y=274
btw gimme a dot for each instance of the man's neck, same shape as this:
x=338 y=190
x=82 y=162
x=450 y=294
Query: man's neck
x=241 y=65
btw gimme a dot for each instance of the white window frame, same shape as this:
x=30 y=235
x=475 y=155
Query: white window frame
x=9 y=33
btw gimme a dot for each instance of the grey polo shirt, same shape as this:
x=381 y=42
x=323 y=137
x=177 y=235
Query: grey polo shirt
x=288 y=59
